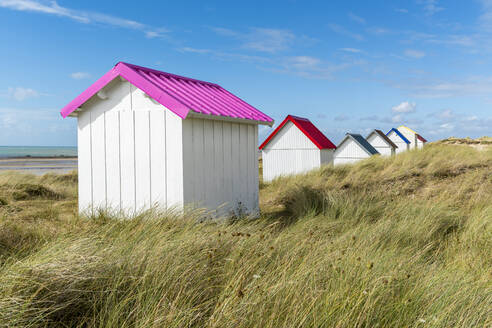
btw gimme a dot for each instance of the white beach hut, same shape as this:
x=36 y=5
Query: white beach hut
x=398 y=139
x=148 y=138
x=381 y=143
x=416 y=140
x=295 y=146
x=353 y=148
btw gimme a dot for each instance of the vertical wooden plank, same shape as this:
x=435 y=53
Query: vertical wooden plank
x=98 y=160
x=252 y=166
x=142 y=160
x=243 y=164
x=84 y=162
x=127 y=164
x=256 y=180
x=210 y=198
x=235 y=169
x=188 y=162
x=174 y=160
x=227 y=171
x=198 y=152
x=249 y=165
x=218 y=177
x=112 y=121
x=158 y=158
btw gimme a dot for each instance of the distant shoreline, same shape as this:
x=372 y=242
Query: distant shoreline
x=38 y=158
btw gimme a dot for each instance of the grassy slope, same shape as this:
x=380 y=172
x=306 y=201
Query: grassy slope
x=385 y=243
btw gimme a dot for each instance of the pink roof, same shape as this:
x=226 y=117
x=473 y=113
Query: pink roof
x=308 y=128
x=177 y=93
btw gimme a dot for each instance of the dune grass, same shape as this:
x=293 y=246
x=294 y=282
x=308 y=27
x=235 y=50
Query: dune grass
x=395 y=242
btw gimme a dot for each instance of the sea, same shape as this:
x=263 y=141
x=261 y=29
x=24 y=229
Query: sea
x=36 y=151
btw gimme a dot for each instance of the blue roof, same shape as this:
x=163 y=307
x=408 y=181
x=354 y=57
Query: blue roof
x=363 y=143
x=399 y=134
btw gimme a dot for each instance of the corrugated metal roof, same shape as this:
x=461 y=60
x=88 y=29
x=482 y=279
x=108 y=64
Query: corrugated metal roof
x=308 y=128
x=177 y=93
x=399 y=134
x=382 y=135
x=363 y=143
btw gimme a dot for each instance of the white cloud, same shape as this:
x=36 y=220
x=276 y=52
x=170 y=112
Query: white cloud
x=20 y=93
x=471 y=118
x=342 y=31
x=269 y=40
x=445 y=115
x=303 y=62
x=352 y=50
x=80 y=75
x=340 y=118
x=356 y=18
x=86 y=17
x=404 y=107
x=195 y=50
x=397 y=118
x=431 y=7
x=378 y=30
x=446 y=126
x=473 y=85
x=414 y=53
x=402 y=10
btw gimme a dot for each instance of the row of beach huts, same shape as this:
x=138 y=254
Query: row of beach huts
x=297 y=146
x=150 y=139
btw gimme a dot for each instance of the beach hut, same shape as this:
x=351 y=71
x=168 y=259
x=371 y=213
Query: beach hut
x=148 y=138
x=295 y=146
x=398 y=139
x=416 y=140
x=353 y=148
x=381 y=143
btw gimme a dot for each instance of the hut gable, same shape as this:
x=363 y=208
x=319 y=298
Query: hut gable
x=398 y=139
x=353 y=148
x=297 y=132
x=381 y=143
x=295 y=146
x=416 y=140
x=153 y=139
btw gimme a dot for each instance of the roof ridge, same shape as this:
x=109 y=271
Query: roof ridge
x=363 y=143
x=311 y=132
x=399 y=134
x=167 y=74
x=382 y=135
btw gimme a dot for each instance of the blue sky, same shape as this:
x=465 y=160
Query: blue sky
x=349 y=66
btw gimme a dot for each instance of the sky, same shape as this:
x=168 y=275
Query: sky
x=348 y=66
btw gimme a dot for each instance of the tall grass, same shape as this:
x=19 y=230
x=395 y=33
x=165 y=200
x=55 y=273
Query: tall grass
x=395 y=242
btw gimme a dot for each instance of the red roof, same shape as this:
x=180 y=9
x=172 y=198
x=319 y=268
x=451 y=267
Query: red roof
x=421 y=138
x=308 y=128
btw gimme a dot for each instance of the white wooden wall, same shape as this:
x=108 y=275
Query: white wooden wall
x=130 y=152
x=380 y=144
x=282 y=162
x=290 y=137
x=221 y=165
x=402 y=145
x=412 y=137
x=349 y=152
x=420 y=144
x=326 y=156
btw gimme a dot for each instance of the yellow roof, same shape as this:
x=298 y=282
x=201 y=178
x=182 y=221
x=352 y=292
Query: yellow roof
x=402 y=126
